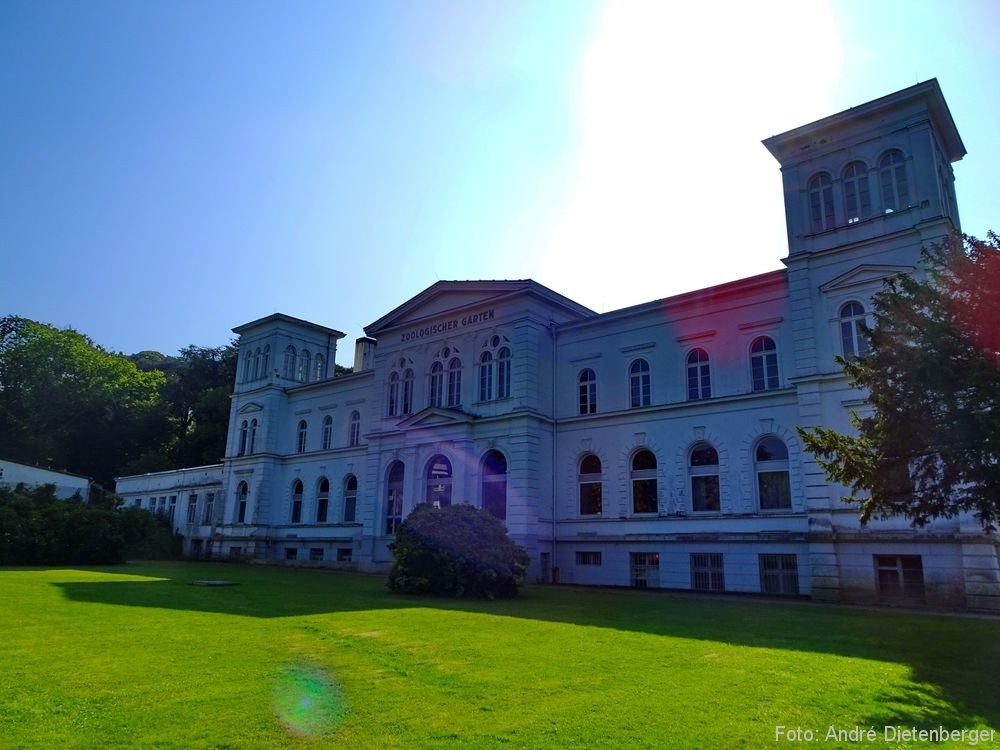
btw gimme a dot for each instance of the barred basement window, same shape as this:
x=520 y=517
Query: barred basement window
x=706 y=572
x=779 y=574
x=644 y=569
x=588 y=558
x=315 y=554
x=900 y=578
x=291 y=553
x=344 y=554
x=235 y=552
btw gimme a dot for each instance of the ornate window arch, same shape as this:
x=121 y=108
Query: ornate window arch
x=494 y=368
x=821 y=214
x=699 y=375
x=643 y=479
x=703 y=468
x=639 y=384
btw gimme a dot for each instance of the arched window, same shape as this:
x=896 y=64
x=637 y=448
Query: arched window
x=821 y=202
x=764 y=364
x=327 y=432
x=256 y=364
x=242 y=492
x=589 y=480
x=247 y=366
x=319 y=367
x=703 y=467
x=297 y=501
x=244 y=434
x=322 y=500
x=304 y=360
x=252 y=443
x=350 y=498
x=494 y=472
x=638 y=379
x=485 y=376
x=644 y=482
x=300 y=439
x=588 y=391
x=852 y=323
x=699 y=375
x=439 y=481
x=266 y=363
x=408 y=391
x=393 y=397
x=773 y=486
x=354 y=431
x=437 y=384
x=455 y=382
x=394 y=498
x=892 y=179
x=857 y=200
x=503 y=373
x=289 y=366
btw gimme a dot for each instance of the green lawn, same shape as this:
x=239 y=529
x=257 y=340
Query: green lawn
x=136 y=657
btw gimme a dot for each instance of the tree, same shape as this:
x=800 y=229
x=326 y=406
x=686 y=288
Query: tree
x=68 y=403
x=930 y=446
x=457 y=550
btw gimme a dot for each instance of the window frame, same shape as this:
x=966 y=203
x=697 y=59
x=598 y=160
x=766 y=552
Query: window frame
x=852 y=318
x=301 y=436
x=701 y=370
x=767 y=358
x=639 y=383
x=857 y=191
x=772 y=467
x=492 y=482
x=644 y=477
x=587 y=389
x=298 y=490
x=593 y=484
x=350 y=513
x=700 y=473
x=323 y=500
x=354 y=429
x=894 y=186
x=822 y=212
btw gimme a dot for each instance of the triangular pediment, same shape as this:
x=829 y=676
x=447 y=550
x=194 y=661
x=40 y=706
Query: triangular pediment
x=449 y=305
x=864 y=276
x=434 y=416
x=250 y=407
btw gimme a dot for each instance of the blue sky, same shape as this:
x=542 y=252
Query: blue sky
x=169 y=170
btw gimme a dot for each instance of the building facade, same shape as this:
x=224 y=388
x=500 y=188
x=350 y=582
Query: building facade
x=653 y=446
x=65 y=486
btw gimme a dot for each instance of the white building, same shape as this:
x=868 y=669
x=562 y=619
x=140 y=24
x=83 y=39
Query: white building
x=651 y=446
x=14 y=474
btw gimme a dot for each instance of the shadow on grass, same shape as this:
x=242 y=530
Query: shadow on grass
x=954 y=661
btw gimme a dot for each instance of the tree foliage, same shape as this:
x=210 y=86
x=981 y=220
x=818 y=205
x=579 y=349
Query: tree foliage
x=930 y=446
x=456 y=551
x=68 y=403
x=38 y=529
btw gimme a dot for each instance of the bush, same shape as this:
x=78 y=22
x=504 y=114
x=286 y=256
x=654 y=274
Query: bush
x=456 y=551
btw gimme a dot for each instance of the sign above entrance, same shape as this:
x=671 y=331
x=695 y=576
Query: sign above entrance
x=480 y=316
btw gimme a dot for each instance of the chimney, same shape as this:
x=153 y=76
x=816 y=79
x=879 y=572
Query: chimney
x=364 y=354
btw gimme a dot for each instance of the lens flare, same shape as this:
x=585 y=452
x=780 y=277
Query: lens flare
x=307 y=701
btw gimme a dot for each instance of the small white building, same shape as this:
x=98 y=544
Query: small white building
x=653 y=446
x=66 y=485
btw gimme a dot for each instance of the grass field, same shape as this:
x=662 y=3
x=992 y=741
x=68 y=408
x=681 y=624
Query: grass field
x=136 y=657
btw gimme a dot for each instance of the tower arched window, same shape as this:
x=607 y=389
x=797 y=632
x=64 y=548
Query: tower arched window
x=439 y=481
x=852 y=325
x=407 y=391
x=256 y=363
x=296 y=515
x=764 y=364
x=319 y=367
x=703 y=468
x=639 y=386
x=350 y=498
x=699 y=375
x=455 y=382
x=857 y=197
x=288 y=369
x=252 y=441
x=394 y=497
x=322 y=500
x=300 y=437
x=244 y=434
x=590 y=485
x=242 y=492
x=247 y=367
x=588 y=391
x=503 y=372
x=305 y=358
x=486 y=376
x=494 y=472
x=354 y=430
x=266 y=362
x=327 y=432
x=393 y=394
x=892 y=180
x=437 y=384
x=643 y=477
x=771 y=465
x=820 y=190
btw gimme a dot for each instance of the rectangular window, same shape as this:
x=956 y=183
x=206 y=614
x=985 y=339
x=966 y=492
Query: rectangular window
x=316 y=554
x=779 y=574
x=322 y=509
x=235 y=552
x=192 y=511
x=138 y=502
x=588 y=558
x=900 y=578
x=296 y=511
x=172 y=507
x=344 y=554
x=209 y=507
x=775 y=490
x=291 y=553
x=644 y=569
x=705 y=493
x=707 y=573
x=590 y=498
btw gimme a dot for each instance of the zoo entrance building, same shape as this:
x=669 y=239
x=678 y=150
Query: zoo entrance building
x=652 y=446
